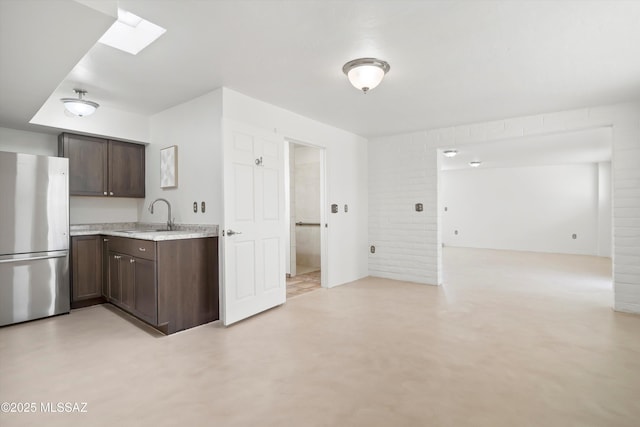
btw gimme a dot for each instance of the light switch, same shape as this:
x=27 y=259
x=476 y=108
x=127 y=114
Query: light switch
x=346 y=208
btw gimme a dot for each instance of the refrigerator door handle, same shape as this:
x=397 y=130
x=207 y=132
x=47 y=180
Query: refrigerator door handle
x=33 y=257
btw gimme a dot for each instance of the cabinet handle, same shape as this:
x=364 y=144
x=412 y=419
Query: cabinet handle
x=111 y=193
x=117 y=257
x=105 y=193
x=131 y=261
x=142 y=249
x=105 y=240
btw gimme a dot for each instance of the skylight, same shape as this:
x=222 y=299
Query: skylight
x=131 y=33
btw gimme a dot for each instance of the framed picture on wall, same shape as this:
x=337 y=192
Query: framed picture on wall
x=169 y=167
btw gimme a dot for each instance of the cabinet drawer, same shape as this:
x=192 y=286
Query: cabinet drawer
x=145 y=249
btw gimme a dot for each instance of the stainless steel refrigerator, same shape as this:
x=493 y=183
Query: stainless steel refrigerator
x=34 y=237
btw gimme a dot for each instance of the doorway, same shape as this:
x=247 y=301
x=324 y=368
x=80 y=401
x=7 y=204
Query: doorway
x=541 y=200
x=305 y=191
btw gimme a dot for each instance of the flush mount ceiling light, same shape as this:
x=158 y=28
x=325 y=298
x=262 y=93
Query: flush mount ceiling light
x=78 y=106
x=366 y=73
x=450 y=153
x=475 y=163
x=131 y=33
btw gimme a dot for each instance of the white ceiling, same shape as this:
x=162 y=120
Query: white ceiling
x=452 y=62
x=585 y=146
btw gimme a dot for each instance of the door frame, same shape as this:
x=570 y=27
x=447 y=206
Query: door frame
x=441 y=203
x=324 y=232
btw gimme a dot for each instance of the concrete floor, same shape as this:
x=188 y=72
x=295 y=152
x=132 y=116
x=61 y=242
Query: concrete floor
x=511 y=339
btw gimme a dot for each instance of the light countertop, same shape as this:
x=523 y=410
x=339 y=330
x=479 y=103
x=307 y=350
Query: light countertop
x=155 y=232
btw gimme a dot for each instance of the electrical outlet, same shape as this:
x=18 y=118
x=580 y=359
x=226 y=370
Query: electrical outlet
x=373 y=249
x=195 y=207
x=574 y=236
x=419 y=207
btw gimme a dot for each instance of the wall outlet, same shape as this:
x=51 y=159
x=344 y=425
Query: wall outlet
x=334 y=208
x=373 y=249
x=195 y=207
x=419 y=207
x=574 y=236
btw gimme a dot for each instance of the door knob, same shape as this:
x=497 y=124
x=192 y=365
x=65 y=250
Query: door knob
x=231 y=232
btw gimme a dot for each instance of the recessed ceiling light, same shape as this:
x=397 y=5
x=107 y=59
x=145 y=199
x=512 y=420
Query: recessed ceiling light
x=131 y=33
x=450 y=153
x=475 y=163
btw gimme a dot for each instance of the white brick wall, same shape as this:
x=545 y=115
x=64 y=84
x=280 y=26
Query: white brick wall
x=403 y=172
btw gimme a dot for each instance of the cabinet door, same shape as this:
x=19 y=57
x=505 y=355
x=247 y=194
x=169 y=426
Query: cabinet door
x=86 y=273
x=115 y=278
x=87 y=164
x=105 y=268
x=145 y=290
x=127 y=274
x=126 y=169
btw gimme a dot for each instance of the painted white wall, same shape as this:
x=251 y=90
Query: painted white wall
x=346 y=164
x=20 y=141
x=527 y=209
x=95 y=210
x=107 y=122
x=605 y=227
x=403 y=170
x=195 y=127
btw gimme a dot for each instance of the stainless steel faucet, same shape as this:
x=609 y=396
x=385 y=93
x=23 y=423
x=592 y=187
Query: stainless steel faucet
x=170 y=223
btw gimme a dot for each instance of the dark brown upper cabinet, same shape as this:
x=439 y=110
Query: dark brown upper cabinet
x=88 y=164
x=102 y=167
x=126 y=169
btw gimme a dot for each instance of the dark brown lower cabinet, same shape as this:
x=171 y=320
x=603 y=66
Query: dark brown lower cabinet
x=86 y=271
x=115 y=278
x=172 y=285
x=130 y=280
x=145 y=299
x=105 y=267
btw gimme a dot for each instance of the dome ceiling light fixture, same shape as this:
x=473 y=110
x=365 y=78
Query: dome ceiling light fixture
x=475 y=163
x=450 y=153
x=366 y=73
x=78 y=106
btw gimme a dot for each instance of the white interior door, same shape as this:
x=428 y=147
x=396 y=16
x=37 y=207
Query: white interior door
x=253 y=242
